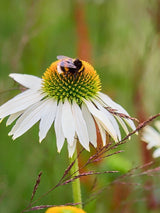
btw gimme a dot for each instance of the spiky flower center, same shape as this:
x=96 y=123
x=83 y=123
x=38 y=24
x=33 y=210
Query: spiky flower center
x=73 y=87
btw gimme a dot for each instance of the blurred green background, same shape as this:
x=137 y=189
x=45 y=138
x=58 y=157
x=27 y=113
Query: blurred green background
x=121 y=39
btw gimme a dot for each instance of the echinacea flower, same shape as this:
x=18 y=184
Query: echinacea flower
x=68 y=95
x=64 y=209
x=152 y=137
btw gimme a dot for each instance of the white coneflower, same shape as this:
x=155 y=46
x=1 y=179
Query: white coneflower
x=152 y=137
x=68 y=95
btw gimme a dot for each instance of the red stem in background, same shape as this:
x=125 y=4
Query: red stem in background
x=83 y=41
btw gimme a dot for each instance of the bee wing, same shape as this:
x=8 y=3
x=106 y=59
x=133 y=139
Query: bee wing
x=59 y=57
x=68 y=64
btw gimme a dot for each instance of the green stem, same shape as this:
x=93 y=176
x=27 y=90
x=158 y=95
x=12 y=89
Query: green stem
x=76 y=188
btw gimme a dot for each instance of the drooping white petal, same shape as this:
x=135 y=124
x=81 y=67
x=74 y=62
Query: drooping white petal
x=114 y=123
x=157 y=125
x=109 y=102
x=47 y=118
x=13 y=117
x=150 y=131
x=68 y=124
x=149 y=139
x=151 y=144
x=104 y=121
x=58 y=128
x=28 y=81
x=102 y=132
x=130 y=123
x=31 y=116
x=151 y=136
x=80 y=126
x=90 y=125
x=122 y=124
x=71 y=149
x=156 y=153
x=20 y=102
x=110 y=117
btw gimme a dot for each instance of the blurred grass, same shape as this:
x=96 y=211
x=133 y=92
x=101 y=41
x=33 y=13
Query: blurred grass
x=123 y=41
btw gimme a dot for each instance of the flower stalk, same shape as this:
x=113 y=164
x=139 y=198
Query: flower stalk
x=76 y=188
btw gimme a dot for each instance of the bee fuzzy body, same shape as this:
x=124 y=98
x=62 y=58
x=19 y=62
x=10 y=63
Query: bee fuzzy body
x=70 y=66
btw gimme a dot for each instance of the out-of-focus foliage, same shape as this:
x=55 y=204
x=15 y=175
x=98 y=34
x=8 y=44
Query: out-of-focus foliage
x=125 y=49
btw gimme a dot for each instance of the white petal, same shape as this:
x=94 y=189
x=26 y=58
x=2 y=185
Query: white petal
x=150 y=145
x=157 y=125
x=151 y=136
x=104 y=121
x=31 y=116
x=130 y=123
x=110 y=117
x=71 y=149
x=114 y=123
x=122 y=124
x=68 y=124
x=150 y=140
x=13 y=117
x=156 y=153
x=58 y=128
x=90 y=125
x=109 y=102
x=102 y=132
x=120 y=120
x=29 y=81
x=80 y=126
x=20 y=102
x=47 y=118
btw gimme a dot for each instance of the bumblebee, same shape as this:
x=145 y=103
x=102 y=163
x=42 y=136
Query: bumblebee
x=69 y=65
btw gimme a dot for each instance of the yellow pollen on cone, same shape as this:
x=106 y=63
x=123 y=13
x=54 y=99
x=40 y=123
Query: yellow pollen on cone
x=61 y=209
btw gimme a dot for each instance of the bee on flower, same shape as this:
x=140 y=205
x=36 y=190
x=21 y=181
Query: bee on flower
x=152 y=137
x=68 y=95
